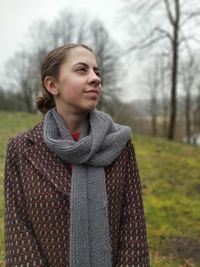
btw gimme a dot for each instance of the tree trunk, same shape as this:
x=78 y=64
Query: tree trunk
x=165 y=119
x=154 y=116
x=187 y=116
x=174 y=74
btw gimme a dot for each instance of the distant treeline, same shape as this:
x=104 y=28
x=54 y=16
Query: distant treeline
x=12 y=101
x=137 y=114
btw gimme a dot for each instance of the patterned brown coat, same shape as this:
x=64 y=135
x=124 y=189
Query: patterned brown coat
x=37 y=190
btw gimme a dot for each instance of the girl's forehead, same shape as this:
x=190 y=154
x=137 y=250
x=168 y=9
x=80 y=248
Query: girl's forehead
x=80 y=54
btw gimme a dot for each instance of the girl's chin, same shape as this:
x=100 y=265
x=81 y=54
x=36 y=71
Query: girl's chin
x=91 y=106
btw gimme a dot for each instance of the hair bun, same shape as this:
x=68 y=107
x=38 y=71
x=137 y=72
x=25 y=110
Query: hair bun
x=44 y=103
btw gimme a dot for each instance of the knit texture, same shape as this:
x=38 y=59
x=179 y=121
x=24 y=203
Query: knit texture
x=100 y=143
x=75 y=137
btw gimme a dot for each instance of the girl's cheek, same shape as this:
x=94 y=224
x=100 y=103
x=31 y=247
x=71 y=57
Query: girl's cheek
x=78 y=85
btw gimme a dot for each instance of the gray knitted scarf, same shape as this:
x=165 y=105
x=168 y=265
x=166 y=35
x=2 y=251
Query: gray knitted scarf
x=99 y=145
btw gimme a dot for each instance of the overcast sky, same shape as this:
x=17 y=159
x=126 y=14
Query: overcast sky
x=16 y=17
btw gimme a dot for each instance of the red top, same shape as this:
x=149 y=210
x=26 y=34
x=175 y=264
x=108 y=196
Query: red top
x=75 y=136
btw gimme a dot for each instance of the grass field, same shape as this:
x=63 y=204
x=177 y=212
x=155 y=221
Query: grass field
x=170 y=175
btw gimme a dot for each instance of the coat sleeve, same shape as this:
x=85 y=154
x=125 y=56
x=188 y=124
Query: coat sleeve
x=133 y=241
x=21 y=246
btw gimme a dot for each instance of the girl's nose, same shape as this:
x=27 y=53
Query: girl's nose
x=94 y=78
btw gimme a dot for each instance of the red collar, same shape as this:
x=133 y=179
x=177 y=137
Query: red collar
x=76 y=136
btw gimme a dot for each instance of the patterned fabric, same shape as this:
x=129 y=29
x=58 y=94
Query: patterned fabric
x=37 y=193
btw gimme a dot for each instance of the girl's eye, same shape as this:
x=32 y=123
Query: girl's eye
x=81 y=70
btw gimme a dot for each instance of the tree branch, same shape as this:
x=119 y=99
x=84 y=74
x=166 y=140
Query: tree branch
x=141 y=5
x=169 y=13
x=145 y=45
x=189 y=38
x=190 y=16
x=164 y=32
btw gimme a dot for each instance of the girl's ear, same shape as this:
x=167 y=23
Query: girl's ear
x=51 y=85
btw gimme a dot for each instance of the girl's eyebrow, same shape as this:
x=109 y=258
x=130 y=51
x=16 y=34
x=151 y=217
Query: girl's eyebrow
x=86 y=65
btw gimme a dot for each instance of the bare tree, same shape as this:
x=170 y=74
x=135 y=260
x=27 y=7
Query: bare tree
x=62 y=30
x=156 y=83
x=196 y=115
x=107 y=56
x=158 y=22
x=189 y=73
x=153 y=81
x=67 y=28
x=11 y=100
x=19 y=73
x=164 y=85
x=198 y=110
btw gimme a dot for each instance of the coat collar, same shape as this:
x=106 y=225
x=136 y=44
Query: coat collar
x=46 y=161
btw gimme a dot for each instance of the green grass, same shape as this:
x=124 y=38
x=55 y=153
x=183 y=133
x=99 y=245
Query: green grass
x=170 y=175
x=10 y=125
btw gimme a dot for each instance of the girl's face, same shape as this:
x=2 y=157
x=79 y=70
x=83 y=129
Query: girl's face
x=79 y=83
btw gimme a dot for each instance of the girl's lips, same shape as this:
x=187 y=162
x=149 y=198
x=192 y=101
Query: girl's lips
x=93 y=92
